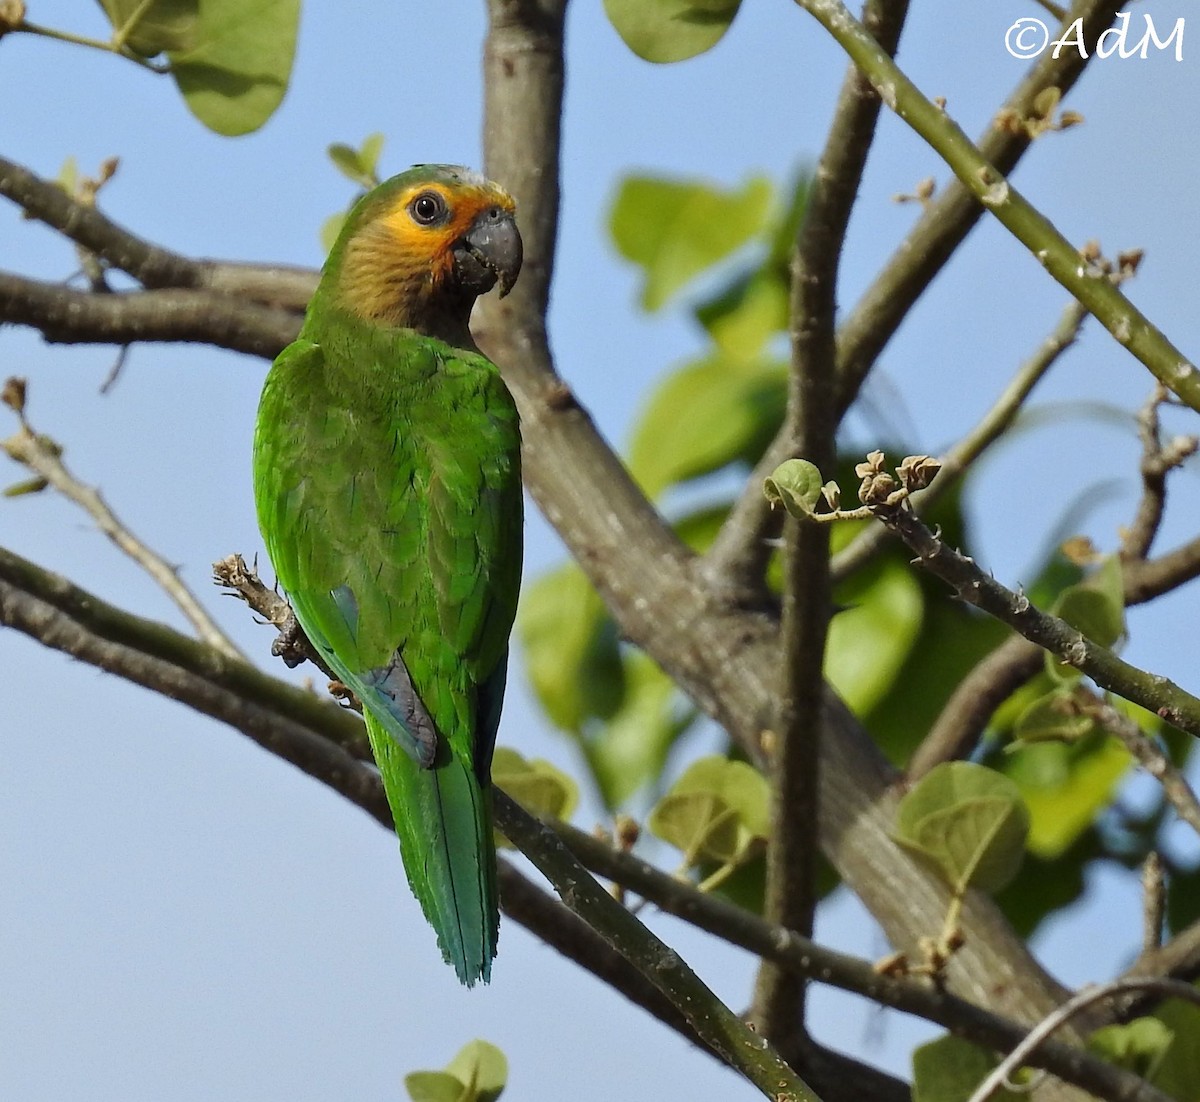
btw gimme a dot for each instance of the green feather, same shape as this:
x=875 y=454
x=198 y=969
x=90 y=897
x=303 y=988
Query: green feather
x=387 y=480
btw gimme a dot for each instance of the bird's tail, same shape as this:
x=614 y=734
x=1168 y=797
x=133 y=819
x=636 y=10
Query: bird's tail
x=443 y=818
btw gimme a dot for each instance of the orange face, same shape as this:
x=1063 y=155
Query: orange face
x=428 y=219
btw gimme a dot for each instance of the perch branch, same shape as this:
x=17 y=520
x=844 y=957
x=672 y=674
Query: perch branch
x=717 y=1025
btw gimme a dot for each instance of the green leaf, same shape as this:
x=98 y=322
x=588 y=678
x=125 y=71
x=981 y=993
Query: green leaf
x=670 y=30
x=746 y=313
x=628 y=749
x=483 y=1068
x=675 y=229
x=873 y=637
x=969 y=822
x=796 y=485
x=1096 y=606
x=1054 y=717
x=359 y=165
x=704 y=416
x=434 y=1086
x=539 y=787
x=1065 y=787
x=701 y=824
x=718 y=809
x=1178 y=1070
x=369 y=153
x=236 y=70
x=949 y=1070
x=1138 y=1047
x=163 y=25
x=570 y=648
x=478 y=1073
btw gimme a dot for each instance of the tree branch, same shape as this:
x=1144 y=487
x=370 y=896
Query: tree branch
x=84 y=317
x=805 y=957
x=1155 y=693
x=717 y=1025
x=957 y=461
x=947 y=220
x=792 y=851
x=1157 y=462
x=1086 y=281
x=1038 y=1035
x=151 y=265
x=42 y=456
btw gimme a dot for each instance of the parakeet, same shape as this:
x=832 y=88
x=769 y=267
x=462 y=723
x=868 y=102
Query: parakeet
x=387 y=478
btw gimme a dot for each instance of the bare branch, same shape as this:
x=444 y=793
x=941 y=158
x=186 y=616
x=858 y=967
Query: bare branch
x=1037 y=1036
x=151 y=265
x=1158 y=460
x=42 y=456
x=83 y=317
x=1154 y=901
x=1151 y=757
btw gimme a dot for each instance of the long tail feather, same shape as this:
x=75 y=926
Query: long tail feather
x=444 y=821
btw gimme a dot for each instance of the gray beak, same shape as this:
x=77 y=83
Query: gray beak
x=490 y=252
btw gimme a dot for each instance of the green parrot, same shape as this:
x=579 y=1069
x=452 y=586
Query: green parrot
x=387 y=477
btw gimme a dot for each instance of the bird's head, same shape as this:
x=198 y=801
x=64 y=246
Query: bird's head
x=417 y=250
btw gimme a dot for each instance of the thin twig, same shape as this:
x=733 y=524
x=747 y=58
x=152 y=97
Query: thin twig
x=42 y=456
x=1038 y=1035
x=958 y=460
x=1154 y=901
x=1158 y=460
x=1152 y=758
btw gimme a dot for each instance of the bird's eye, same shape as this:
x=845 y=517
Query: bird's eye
x=428 y=207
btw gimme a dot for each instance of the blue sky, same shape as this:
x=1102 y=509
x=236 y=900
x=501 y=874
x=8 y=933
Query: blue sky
x=188 y=917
